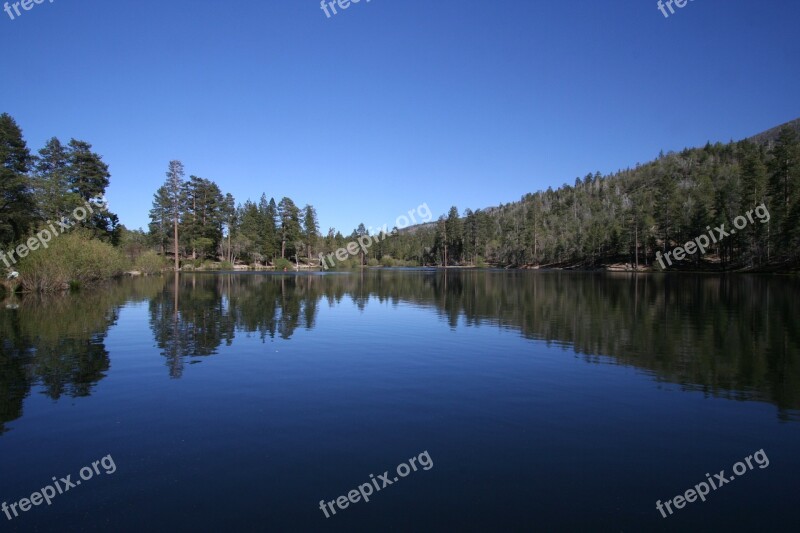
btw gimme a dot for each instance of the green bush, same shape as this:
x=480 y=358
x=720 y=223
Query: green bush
x=372 y=262
x=350 y=263
x=226 y=265
x=281 y=264
x=387 y=261
x=480 y=262
x=70 y=260
x=150 y=263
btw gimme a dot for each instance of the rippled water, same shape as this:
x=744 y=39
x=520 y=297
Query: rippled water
x=545 y=401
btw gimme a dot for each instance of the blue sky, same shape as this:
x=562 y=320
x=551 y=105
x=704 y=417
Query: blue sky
x=392 y=103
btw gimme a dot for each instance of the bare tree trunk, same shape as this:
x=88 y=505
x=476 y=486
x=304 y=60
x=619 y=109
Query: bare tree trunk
x=175 y=236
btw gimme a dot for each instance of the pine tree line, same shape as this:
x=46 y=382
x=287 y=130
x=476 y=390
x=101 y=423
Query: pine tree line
x=630 y=215
x=625 y=217
x=37 y=189
x=194 y=219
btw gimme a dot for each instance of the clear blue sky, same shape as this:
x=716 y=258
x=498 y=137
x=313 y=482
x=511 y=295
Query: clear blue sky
x=392 y=103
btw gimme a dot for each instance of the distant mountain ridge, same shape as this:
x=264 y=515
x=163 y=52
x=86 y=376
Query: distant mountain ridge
x=767 y=137
x=627 y=218
x=770 y=136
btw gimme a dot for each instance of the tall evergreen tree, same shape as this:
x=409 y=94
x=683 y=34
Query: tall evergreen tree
x=202 y=215
x=173 y=189
x=251 y=227
x=754 y=193
x=88 y=175
x=361 y=231
x=52 y=188
x=289 y=231
x=161 y=219
x=455 y=235
x=16 y=200
x=269 y=215
x=785 y=189
x=230 y=219
x=310 y=229
x=785 y=167
x=88 y=178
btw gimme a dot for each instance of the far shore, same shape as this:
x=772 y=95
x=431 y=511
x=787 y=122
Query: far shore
x=9 y=287
x=705 y=267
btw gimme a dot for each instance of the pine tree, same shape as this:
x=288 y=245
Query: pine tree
x=785 y=189
x=754 y=193
x=289 y=230
x=173 y=191
x=51 y=182
x=310 y=229
x=228 y=212
x=361 y=231
x=470 y=234
x=455 y=235
x=271 y=229
x=88 y=175
x=16 y=200
x=251 y=231
x=160 y=219
x=202 y=215
x=88 y=178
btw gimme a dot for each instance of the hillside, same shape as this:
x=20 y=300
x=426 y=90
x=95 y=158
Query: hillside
x=770 y=136
x=631 y=215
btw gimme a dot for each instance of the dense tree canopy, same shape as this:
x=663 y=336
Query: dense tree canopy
x=36 y=191
x=16 y=200
x=632 y=214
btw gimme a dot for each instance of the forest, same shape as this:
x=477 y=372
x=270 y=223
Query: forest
x=625 y=217
x=622 y=218
x=628 y=216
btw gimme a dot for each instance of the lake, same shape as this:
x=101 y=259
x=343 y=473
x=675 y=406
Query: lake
x=528 y=401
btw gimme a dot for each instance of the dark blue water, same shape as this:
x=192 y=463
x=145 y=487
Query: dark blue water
x=543 y=401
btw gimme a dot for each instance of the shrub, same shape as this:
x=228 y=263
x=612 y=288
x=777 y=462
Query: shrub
x=372 y=262
x=387 y=261
x=350 y=263
x=226 y=265
x=72 y=259
x=281 y=264
x=150 y=263
x=480 y=262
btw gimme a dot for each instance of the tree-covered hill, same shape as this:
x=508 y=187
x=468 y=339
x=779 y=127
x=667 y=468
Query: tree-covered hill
x=768 y=138
x=629 y=216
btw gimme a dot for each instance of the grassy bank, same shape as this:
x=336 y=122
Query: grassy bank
x=69 y=261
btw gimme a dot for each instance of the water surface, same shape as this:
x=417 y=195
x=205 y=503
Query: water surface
x=546 y=401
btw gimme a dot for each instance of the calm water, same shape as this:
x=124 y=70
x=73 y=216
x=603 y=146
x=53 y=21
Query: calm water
x=545 y=401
